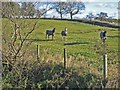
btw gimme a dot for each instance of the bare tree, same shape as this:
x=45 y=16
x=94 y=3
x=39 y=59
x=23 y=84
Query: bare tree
x=90 y=16
x=16 y=32
x=43 y=7
x=10 y=9
x=61 y=8
x=28 y=9
x=74 y=8
x=102 y=15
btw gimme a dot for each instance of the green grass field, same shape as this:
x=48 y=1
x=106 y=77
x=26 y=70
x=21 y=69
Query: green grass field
x=82 y=43
x=82 y=39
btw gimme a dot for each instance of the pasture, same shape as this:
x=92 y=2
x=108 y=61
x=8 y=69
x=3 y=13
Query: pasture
x=82 y=39
x=83 y=45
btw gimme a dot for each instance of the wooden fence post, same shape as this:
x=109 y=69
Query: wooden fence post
x=64 y=58
x=104 y=65
x=64 y=62
x=37 y=52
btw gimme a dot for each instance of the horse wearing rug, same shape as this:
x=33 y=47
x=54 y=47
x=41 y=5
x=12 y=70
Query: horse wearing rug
x=64 y=33
x=103 y=36
x=50 y=33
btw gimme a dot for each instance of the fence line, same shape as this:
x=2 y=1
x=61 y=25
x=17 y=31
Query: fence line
x=104 y=82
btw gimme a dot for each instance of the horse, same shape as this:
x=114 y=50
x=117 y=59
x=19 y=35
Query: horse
x=50 y=32
x=64 y=33
x=103 y=36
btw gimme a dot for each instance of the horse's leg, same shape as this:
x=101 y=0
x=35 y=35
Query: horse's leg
x=52 y=37
x=65 y=37
x=62 y=38
x=46 y=36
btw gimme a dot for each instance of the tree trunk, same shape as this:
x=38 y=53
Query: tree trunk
x=61 y=16
x=70 y=15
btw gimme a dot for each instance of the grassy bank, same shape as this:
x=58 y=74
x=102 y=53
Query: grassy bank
x=84 y=56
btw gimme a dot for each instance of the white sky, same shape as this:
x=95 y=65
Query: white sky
x=64 y=0
x=100 y=0
x=95 y=7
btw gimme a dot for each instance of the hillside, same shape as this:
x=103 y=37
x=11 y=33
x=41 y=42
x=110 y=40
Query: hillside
x=84 y=55
x=111 y=23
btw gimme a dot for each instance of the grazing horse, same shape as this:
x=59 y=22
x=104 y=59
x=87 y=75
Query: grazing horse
x=50 y=32
x=103 y=35
x=64 y=33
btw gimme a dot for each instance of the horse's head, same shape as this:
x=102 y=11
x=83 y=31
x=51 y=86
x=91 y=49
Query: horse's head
x=65 y=28
x=53 y=30
x=105 y=32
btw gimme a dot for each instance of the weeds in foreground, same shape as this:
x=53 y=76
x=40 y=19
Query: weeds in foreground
x=49 y=73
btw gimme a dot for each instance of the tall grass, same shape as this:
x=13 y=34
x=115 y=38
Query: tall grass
x=84 y=57
x=47 y=72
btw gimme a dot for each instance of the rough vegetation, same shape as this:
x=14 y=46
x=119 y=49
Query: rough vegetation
x=84 y=56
